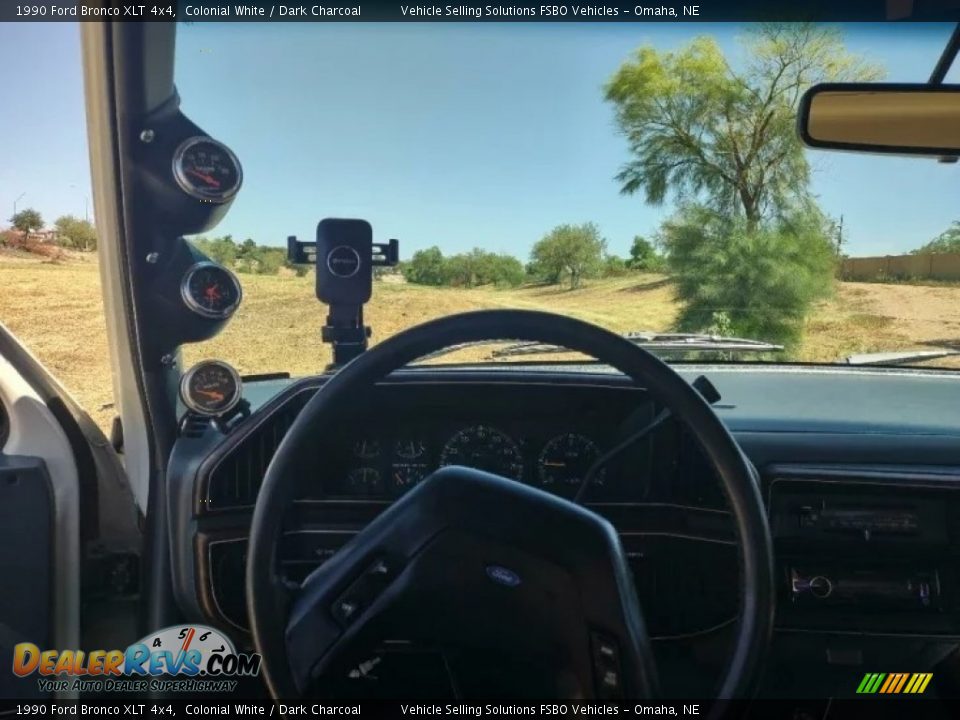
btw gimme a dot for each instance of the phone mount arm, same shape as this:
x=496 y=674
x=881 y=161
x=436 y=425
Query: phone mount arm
x=344 y=256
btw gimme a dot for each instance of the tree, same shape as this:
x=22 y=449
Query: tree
x=946 y=242
x=221 y=249
x=247 y=256
x=700 y=130
x=753 y=282
x=508 y=270
x=643 y=255
x=426 y=267
x=575 y=251
x=76 y=233
x=614 y=266
x=269 y=260
x=27 y=221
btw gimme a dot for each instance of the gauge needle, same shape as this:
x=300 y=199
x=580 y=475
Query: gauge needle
x=555 y=464
x=213 y=394
x=206 y=178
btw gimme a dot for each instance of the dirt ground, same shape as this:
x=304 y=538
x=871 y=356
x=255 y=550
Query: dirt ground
x=56 y=309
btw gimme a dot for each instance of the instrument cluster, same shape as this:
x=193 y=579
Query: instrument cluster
x=552 y=442
x=388 y=467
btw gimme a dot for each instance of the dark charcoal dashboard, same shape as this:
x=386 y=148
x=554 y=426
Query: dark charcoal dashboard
x=864 y=550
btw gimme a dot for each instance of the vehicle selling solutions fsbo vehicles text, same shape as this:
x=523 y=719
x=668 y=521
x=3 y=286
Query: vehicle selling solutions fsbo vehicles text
x=546 y=11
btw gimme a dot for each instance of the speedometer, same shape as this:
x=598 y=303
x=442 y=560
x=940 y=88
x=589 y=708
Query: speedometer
x=484 y=448
x=566 y=459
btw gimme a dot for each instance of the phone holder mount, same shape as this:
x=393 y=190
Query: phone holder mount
x=344 y=255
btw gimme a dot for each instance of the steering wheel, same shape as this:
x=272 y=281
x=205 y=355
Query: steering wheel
x=477 y=565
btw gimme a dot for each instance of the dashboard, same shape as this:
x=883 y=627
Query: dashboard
x=865 y=518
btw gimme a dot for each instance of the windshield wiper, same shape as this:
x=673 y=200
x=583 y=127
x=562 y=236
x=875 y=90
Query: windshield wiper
x=657 y=342
x=899 y=357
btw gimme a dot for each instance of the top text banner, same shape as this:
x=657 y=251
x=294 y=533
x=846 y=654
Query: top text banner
x=382 y=11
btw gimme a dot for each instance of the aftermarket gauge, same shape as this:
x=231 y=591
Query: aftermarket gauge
x=211 y=388
x=210 y=290
x=207 y=170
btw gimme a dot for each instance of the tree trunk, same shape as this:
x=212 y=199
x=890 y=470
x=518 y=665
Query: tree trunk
x=750 y=210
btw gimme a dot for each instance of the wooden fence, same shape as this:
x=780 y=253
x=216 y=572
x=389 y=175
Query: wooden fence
x=933 y=266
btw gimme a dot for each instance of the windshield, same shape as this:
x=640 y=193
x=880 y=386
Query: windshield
x=644 y=178
x=647 y=178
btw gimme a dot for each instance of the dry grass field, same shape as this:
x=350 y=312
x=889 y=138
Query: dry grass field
x=56 y=309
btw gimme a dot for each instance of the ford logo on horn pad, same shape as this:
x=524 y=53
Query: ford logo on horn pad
x=503 y=576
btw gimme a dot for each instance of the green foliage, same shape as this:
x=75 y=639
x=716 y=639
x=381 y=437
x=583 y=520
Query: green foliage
x=756 y=281
x=702 y=131
x=75 y=233
x=477 y=267
x=946 y=242
x=222 y=249
x=300 y=270
x=27 y=220
x=614 y=266
x=426 y=267
x=247 y=257
x=644 y=256
x=571 y=251
x=269 y=260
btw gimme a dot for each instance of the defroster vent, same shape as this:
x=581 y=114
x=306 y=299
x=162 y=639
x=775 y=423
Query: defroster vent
x=235 y=480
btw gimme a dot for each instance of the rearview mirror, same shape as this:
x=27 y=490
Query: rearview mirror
x=882 y=117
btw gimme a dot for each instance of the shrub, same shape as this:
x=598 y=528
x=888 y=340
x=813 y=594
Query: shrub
x=477 y=267
x=76 y=234
x=426 y=267
x=644 y=256
x=614 y=266
x=762 y=280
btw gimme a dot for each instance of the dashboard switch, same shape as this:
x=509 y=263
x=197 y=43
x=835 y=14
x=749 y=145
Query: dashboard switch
x=345 y=610
x=364 y=591
x=606 y=665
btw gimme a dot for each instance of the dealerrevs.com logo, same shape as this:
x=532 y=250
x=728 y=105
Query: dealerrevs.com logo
x=191 y=658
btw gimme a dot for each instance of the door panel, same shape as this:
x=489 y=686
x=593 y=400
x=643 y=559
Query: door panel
x=26 y=563
x=39 y=527
x=69 y=531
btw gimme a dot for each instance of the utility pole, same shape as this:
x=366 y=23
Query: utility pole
x=86 y=203
x=840 y=236
x=19 y=197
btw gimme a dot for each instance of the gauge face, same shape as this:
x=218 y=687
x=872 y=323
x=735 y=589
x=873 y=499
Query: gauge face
x=484 y=448
x=211 y=290
x=363 y=481
x=211 y=388
x=410 y=448
x=566 y=459
x=404 y=476
x=366 y=449
x=206 y=169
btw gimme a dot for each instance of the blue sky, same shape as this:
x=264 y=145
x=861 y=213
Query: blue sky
x=458 y=135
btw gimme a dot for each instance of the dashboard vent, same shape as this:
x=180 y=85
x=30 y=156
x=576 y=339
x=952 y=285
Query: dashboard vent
x=235 y=481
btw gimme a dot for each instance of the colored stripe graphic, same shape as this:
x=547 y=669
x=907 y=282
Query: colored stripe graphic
x=903 y=681
x=894 y=683
x=871 y=683
x=890 y=682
